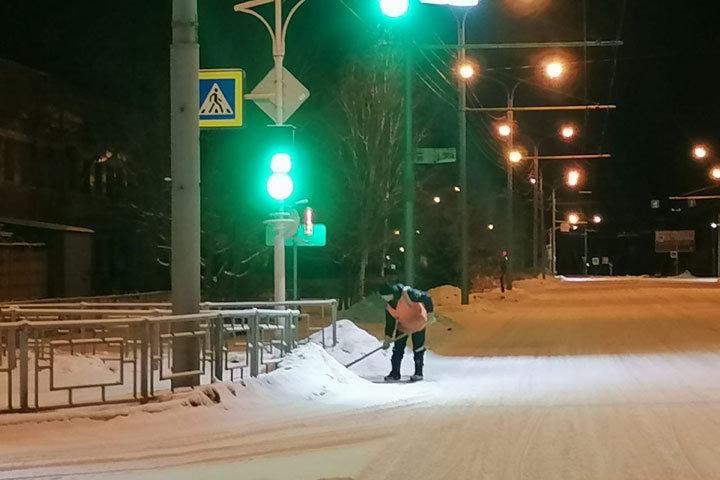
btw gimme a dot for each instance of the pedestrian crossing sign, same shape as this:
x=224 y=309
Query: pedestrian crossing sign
x=221 y=98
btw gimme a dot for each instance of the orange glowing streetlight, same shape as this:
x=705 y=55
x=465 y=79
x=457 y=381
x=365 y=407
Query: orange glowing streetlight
x=715 y=173
x=700 y=152
x=466 y=71
x=436 y=200
x=573 y=218
x=568 y=132
x=573 y=178
x=597 y=219
x=554 y=69
x=515 y=156
x=504 y=130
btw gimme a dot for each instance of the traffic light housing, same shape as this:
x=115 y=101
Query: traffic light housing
x=280 y=185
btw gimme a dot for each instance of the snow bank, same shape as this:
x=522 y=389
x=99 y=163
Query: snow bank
x=308 y=372
x=445 y=295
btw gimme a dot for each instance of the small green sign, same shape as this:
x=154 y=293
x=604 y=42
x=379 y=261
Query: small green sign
x=317 y=239
x=435 y=156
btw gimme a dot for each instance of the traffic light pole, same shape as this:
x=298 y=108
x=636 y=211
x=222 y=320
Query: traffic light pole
x=409 y=168
x=185 y=174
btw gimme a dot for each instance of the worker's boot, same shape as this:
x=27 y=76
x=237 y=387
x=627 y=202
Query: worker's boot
x=419 y=362
x=395 y=362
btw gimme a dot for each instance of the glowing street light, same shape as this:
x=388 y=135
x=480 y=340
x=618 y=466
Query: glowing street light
x=714 y=225
x=597 y=219
x=396 y=233
x=466 y=71
x=715 y=173
x=504 y=130
x=567 y=132
x=457 y=189
x=533 y=180
x=394 y=8
x=700 y=152
x=554 y=69
x=573 y=218
x=436 y=199
x=402 y=249
x=573 y=178
x=515 y=156
x=491 y=227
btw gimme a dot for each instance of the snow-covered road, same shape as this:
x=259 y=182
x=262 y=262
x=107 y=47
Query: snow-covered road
x=610 y=380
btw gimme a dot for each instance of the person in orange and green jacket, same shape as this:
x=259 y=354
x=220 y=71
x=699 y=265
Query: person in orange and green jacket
x=407 y=313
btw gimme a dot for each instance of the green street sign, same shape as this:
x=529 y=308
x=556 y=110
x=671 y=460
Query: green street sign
x=435 y=156
x=317 y=239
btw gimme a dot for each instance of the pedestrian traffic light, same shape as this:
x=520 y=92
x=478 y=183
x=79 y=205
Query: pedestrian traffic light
x=280 y=186
x=394 y=8
x=308 y=221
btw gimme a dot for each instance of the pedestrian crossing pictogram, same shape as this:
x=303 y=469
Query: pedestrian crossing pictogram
x=215 y=103
x=221 y=98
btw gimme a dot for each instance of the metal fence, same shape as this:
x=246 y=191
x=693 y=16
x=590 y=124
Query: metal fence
x=315 y=323
x=58 y=357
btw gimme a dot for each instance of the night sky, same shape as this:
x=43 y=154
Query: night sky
x=661 y=79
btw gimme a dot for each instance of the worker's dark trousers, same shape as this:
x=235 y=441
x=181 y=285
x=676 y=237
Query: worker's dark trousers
x=418 y=342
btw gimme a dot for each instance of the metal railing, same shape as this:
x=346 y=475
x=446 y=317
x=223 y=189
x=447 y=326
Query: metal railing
x=110 y=360
x=87 y=309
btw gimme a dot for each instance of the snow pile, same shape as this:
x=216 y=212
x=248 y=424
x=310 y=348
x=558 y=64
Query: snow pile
x=91 y=369
x=308 y=372
x=353 y=343
x=685 y=274
x=445 y=295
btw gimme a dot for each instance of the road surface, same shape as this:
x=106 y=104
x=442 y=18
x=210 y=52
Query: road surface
x=607 y=380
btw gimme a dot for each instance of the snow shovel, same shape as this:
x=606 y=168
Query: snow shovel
x=374 y=351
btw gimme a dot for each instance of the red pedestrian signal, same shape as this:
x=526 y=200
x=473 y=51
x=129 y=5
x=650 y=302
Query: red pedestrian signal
x=308 y=221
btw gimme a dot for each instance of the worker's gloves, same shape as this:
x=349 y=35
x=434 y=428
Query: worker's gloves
x=386 y=343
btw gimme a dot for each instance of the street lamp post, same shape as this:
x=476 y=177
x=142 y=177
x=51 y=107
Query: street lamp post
x=462 y=163
x=185 y=174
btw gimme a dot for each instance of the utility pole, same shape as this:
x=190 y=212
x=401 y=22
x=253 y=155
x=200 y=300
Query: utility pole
x=409 y=167
x=554 y=233
x=462 y=161
x=185 y=174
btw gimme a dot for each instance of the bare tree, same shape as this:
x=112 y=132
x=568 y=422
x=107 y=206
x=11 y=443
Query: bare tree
x=371 y=99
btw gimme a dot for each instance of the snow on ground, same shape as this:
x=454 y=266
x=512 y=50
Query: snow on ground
x=609 y=380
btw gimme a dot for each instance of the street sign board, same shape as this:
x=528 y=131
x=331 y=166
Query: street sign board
x=674 y=255
x=435 y=156
x=596 y=261
x=654 y=203
x=606 y=260
x=294 y=94
x=674 y=241
x=221 y=98
x=318 y=238
x=565 y=227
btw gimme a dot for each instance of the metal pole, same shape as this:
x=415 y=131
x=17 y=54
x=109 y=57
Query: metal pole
x=185 y=169
x=279 y=261
x=509 y=203
x=462 y=163
x=585 y=258
x=409 y=170
x=718 y=247
x=536 y=215
x=545 y=108
x=554 y=233
x=543 y=237
x=295 y=271
x=278 y=57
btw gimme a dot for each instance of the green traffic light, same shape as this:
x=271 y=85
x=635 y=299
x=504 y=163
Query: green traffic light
x=281 y=163
x=394 y=8
x=280 y=186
